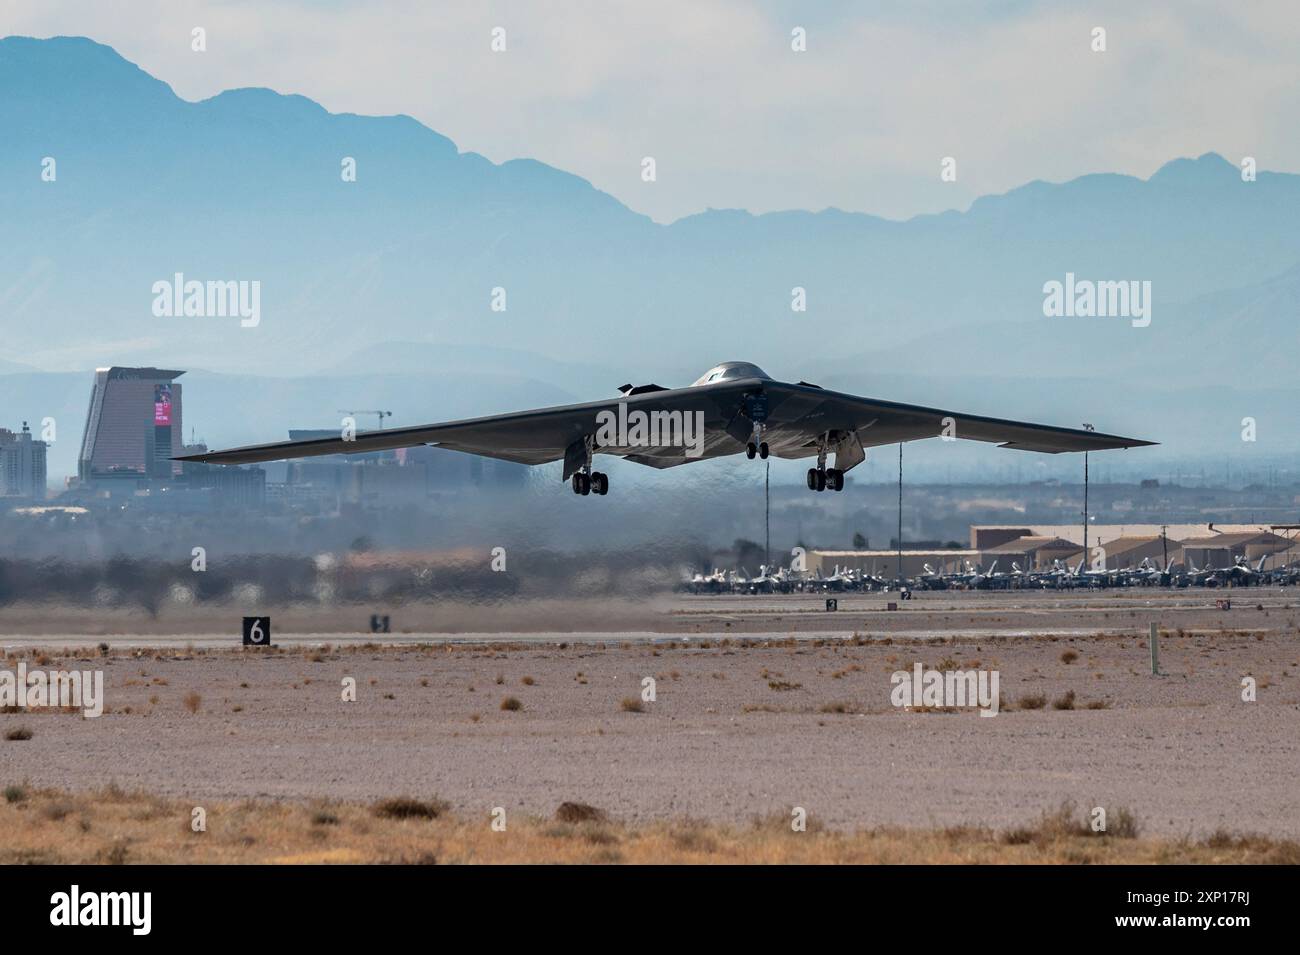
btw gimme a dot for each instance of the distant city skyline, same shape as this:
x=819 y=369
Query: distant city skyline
x=735 y=118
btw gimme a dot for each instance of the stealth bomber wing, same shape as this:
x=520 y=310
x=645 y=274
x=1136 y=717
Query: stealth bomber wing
x=733 y=408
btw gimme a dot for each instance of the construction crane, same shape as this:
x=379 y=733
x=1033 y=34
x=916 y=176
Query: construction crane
x=382 y=415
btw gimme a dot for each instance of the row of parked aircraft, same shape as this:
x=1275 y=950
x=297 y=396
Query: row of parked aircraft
x=1059 y=576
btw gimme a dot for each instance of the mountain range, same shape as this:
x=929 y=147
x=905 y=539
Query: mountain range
x=381 y=289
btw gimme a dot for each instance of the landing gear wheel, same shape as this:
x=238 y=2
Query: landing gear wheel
x=762 y=450
x=821 y=480
x=599 y=483
x=581 y=483
x=834 y=479
x=751 y=450
x=812 y=479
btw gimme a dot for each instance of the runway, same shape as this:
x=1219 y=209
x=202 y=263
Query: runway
x=970 y=615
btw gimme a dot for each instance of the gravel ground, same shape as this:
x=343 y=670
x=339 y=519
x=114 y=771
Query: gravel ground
x=736 y=730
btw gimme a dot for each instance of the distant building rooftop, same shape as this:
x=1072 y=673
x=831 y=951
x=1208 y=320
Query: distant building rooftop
x=150 y=374
x=1032 y=543
x=1104 y=533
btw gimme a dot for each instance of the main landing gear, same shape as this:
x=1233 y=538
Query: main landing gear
x=585 y=481
x=757 y=446
x=822 y=478
x=825 y=479
x=590 y=482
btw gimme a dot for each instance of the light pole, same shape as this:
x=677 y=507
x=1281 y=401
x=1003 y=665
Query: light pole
x=1086 y=427
x=767 y=514
x=900 y=517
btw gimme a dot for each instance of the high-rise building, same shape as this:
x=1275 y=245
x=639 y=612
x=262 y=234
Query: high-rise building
x=22 y=465
x=133 y=428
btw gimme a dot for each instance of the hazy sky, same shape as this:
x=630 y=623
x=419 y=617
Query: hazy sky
x=733 y=117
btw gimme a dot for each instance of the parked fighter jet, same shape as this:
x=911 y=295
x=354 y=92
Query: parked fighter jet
x=1059 y=576
x=1147 y=574
x=733 y=407
x=714 y=583
x=1241 y=574
x=839 y=581
x=935 y=580
x=1200 y=578
x=977 y=579
x=769 y=582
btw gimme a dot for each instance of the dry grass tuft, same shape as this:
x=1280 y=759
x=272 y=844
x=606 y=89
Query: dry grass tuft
x=18 y=733
x=577 y=812
x=1064 y=702
x=1066 y=823
x=511 y=704
x=1267 y=851
x=631 y=704
x=1032 y=701
x=403 y=807
x=192 y=701
x=840 y=706
x=1069 y=656
x=1122 y=824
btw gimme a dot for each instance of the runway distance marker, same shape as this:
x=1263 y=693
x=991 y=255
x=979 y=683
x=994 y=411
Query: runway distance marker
x=257 y=631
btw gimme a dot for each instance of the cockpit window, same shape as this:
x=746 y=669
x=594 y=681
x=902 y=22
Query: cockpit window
x=730 y=371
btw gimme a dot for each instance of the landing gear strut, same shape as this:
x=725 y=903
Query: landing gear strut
x=822 y=478
x=585 y=480
x=757 y=446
